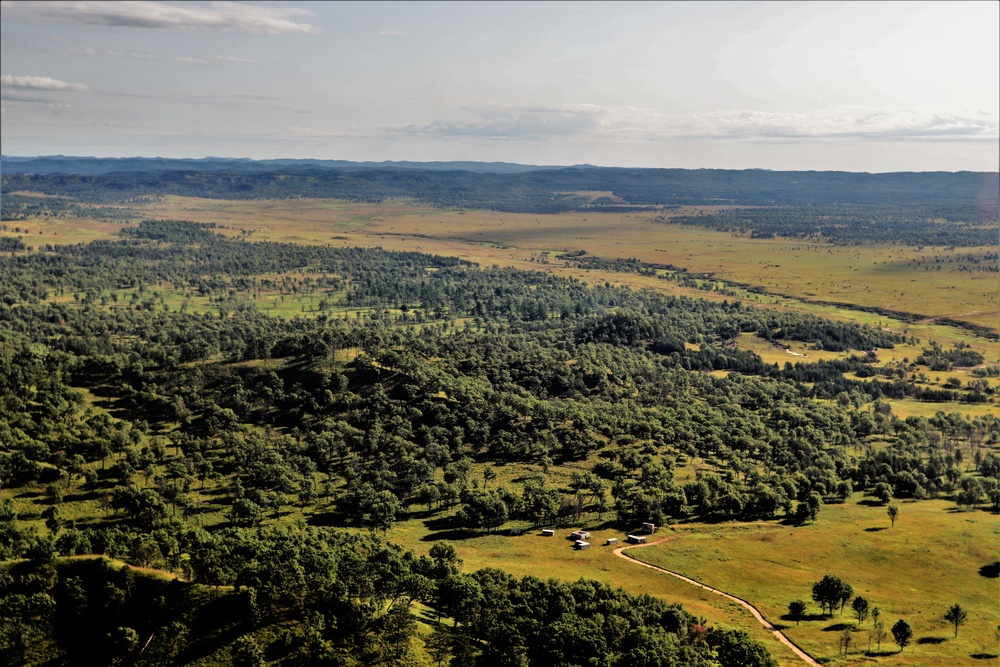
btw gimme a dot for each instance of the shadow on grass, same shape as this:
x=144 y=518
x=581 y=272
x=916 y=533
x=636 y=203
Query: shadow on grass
x=871 y=502
x=983 y=656
x=453 y=534
x=440 y=523
x=876 y=529
x=991 y=571
x=805 y=617
x=932 y=640
x=325 y=519
x=880 y=654
x=838 y=627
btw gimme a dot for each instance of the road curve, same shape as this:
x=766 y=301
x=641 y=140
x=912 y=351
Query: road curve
x=808 y=659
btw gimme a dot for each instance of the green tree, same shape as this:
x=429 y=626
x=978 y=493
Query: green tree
x=246 y=653
x=956 y=616
x=846 y=637
x=808 y=509
x=860 y=607
x=831 y=591
x=877 y=633
x=846 y=591
x=893 y=512
x=123 y=640
x=883 y=492
x=438 y=645
x=797 y=609
x=736 y=647
x=902 y=633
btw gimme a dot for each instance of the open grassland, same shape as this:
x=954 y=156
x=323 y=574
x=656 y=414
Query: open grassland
x=530 y=554
x=935 y=281
x=533 y=241
x=958 y=283
x=930 y=560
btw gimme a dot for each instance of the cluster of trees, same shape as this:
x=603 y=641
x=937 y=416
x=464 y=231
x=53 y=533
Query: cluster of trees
x=555 y=370
x=325 y=597
x=357 y=420
x=832 y=593
x=917 y=225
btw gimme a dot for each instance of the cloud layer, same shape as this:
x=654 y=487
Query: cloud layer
x=142 y=55
x=586 y=121
x=182 y=17
x=39 y=83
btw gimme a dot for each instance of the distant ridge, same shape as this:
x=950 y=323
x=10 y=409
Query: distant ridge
x=957 y=196
x=63 y=164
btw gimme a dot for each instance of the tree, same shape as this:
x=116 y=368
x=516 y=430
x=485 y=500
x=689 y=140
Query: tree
x=446 y=560
x=736 y=647
x=383 y=510
x=893 y=512
x=246 y=653
x=902 y=633
x=438 y=645
x=860 y=607
x=830 y=591
x=808 y=509
x=123 y=639
x=797 y=609
x=846 y=637
x=883 y=492
x=877 y=633
x=956 y=616
x=845 y=594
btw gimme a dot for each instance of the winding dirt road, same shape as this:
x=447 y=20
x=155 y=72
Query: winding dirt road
x=620 y=552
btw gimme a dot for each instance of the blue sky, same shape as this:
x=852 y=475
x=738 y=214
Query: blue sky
x=862 y=86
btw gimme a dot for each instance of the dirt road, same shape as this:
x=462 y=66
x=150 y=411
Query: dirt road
x=620 y=552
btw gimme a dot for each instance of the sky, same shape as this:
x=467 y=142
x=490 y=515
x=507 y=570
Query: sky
x=857 y=86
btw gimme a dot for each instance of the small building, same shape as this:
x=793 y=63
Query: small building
x=580 y=544
x=636 y=539
x=515 y=531
x=548 y=532
x=611 y=540
x=580 y=535
x=649 y=528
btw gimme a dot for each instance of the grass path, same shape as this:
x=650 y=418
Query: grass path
x=620 y=552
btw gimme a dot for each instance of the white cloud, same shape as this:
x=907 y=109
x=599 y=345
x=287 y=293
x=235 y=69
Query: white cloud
x=141 y=55
x=213 y=60
x=510 y=122
x=395 y=33
x=39 y=83
x=591 y=123
x=154 y=15
x=851 y=123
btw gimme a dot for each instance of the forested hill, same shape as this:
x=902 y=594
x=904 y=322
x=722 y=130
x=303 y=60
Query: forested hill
x=62 y=164
x=538 y=190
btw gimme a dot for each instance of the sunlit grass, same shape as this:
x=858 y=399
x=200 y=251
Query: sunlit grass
x=915 y=570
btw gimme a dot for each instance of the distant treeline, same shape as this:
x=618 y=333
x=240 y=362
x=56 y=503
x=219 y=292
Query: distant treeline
x=535 y=191
x=941 y=225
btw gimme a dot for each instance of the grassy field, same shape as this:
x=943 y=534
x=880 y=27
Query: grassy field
x=937 y=282
x=915 y=570
x=934 y=281
x=555 y=557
